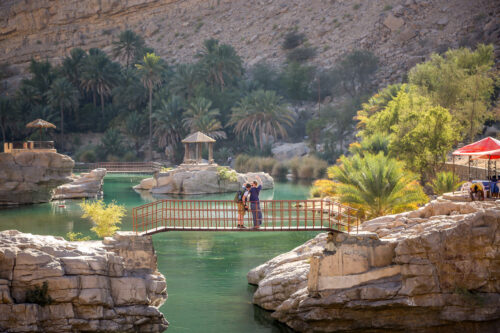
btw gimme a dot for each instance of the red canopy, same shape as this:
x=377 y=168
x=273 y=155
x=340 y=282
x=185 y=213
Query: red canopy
x=487 y=148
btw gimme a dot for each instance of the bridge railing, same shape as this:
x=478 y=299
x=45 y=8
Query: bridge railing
x=222 y=215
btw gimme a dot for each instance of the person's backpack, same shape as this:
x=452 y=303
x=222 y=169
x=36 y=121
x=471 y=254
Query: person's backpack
x=239 y=196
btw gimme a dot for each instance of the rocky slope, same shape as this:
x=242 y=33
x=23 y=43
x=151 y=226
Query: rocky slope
x=31 y=177
x=86 y=185
x=108 y=286
x=400 y=32
x=436 y=268
x=199 y=179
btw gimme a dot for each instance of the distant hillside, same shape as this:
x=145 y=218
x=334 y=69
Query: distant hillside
x=400 y=32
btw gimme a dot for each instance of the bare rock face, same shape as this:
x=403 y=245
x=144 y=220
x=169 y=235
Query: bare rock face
x=31 y=177
x=434 y=268
x=86 y=185
x=108 y=286
x=199 y=179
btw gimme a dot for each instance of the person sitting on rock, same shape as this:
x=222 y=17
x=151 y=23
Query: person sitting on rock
x=476 y=190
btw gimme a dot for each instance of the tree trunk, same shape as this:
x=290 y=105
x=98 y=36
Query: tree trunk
x=61 y=109
x=102 y=104
x=150 y=123
x=261 y=138
x=2 y=128
x=255 y=139
x=94 y=97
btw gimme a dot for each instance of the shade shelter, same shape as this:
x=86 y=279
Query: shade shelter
x=198 y=139
x=40 y=123
x=484 y=149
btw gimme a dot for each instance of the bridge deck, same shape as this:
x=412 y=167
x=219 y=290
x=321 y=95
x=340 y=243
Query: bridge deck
x=223 y=215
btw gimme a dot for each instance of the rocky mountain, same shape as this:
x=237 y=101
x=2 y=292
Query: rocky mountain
x=400 y=32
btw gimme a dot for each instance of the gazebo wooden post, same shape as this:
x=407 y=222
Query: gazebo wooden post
x=186 y=152
x=200 y=150
x=210 y=153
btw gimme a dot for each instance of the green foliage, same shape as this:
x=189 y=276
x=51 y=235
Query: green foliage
x=39 y=295
x=246 y=163
x=293 y=39
x=307 y=167
x=376 y=184
x=226 y=174
x=295 y=80
x=111 y=143
x=374 y=144
x=76 y=237
x=200 y=116
x=129 y=46
x=445 y=182
x=87 y=156
x=355 y=70
x=168 y=127
x=460 y=81
x=323 y=188
x=280 y=170
x=105 y=217
x=301 y=54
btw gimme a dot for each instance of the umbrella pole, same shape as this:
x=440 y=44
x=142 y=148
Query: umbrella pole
x=469 y=169
x=453 y=170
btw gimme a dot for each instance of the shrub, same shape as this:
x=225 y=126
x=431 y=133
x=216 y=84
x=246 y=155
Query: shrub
x=266 y=164
x=245 y=163
x=445 y=182
x=226 y=174
x=280 y=170
x=307 y=167
x=292 y=40
x=323 y=188
x=105 y=217
x=240 y=163
x=88 y=156
x=76 y=237
x=38 y=295
x=301 y=54
x=130 y=157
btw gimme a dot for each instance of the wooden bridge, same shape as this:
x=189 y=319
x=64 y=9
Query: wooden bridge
x=120 y=167
x=222 y=215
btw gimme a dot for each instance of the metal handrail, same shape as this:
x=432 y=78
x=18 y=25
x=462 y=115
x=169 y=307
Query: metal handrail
x=222 y=215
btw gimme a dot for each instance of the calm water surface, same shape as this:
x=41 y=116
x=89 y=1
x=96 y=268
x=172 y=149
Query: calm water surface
x=206 y=272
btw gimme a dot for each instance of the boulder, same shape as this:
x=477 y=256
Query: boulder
x=93 y=286
x=199 y=179
x=86 y=185
x=288 y=151
x=31 y=177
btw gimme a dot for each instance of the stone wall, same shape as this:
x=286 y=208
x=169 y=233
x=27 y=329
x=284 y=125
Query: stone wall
x=434 y=268
x=111 y=286
x=31 y=177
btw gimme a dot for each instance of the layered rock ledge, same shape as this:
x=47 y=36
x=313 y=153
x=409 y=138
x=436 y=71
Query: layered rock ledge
x=31 y=177
x=199 y=179
x=436 y=268
x=108 y=286
x=86 y=185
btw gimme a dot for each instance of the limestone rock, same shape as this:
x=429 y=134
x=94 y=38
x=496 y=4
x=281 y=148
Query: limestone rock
x=393 y=23
x=31 y=177
x=86 y=185
x=436 y=268
x=199 y=179
x=288 y=151
x=94 y=286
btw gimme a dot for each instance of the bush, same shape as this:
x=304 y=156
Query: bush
x=301 y=54
x=307 y=167
x=292 y=40
x=130 y=157
x=87 y=156
x=241 y=162
x=105 y=218
x=323 y=188
x=226 y=174
x=38 y=295
x=245 y=163
x=445 y=182
x=76 y=237
x=267 y=164
x=280 y=170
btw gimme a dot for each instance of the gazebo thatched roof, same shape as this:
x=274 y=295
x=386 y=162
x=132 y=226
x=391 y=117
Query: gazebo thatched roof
x=198 y=137
x=40 y=123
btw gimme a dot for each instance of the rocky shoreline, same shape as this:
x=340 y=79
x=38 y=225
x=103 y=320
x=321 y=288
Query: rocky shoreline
x=94 y=286
x=434 y=268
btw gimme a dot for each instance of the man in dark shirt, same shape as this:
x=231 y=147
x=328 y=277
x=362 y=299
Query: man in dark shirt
x=255 y=204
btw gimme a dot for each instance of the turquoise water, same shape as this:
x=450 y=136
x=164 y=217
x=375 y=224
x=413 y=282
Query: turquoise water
x=205 y=272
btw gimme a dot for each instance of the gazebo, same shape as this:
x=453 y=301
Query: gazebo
x=198 y=139
x=484 y=149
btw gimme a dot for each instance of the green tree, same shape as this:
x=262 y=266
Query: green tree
x=220 y=62
x=129 y=46
x=262 y=112
x=150 y=71
x=71 y=66
x=111 y=143
x=168 y=127
x=354 y=71
x=37 y=86
x=5 y=115
x=461 y=81
x=62 y=94
x=444 y=182
x=105 y=217
x=199 y=116
x=376 y=184
x=295 y=80
x=130 y=92
x=185 y=80
x=99 y=75
x=134 y=128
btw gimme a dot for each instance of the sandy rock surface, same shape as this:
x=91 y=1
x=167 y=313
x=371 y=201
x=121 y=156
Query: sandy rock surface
x=86 y=185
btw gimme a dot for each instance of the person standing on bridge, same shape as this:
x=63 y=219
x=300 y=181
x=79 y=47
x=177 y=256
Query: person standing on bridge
x=255 y=203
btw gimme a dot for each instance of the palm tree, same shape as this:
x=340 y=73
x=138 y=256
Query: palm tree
x=220 y=62
x=129 y=46
x=376 y=184
x=72 y=65
x=168 y=126
x=150 y=72
x=445 y=181
x=185 y=80
x=99 y=75
x=130 y=93
x=263 y=112
x=199 y=117
x=5 y=112
x=134 y=127
x=62 y=94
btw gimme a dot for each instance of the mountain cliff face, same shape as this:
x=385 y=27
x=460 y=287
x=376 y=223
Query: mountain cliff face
x=401 y=32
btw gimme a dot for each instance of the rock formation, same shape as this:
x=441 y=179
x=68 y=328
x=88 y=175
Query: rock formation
x=436 y=268
x=401 y=32
x=108 y=286
x=199 y=179
x=288 y=151
x=31 y=177
x=86 y=185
